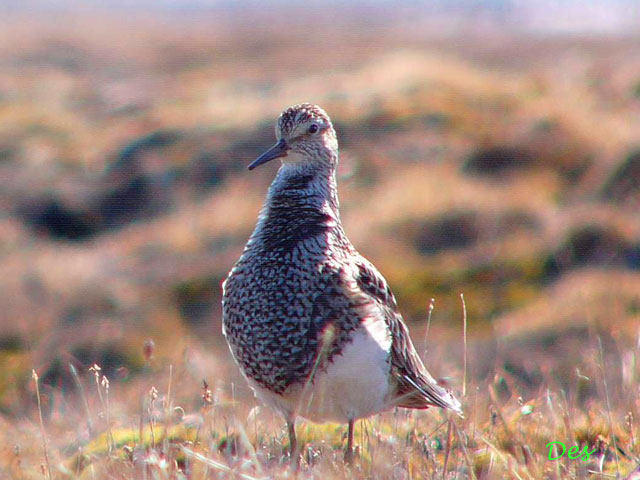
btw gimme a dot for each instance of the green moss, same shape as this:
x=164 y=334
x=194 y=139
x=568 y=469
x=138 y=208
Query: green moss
x=489 y=288
x=131 y=437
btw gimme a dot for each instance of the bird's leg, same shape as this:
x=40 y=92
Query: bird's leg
x=348 y=454
x=293 y=442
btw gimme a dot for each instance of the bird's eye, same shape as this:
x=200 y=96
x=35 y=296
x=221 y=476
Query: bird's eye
x=313 y=128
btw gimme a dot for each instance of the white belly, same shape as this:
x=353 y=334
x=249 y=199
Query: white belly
x=354 y=385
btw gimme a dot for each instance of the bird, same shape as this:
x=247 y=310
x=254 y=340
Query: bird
x=313 y=326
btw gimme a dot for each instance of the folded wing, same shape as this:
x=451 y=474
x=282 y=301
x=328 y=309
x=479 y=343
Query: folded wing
x=415 y=387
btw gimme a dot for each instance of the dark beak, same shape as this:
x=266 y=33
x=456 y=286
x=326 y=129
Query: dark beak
x=279 y=150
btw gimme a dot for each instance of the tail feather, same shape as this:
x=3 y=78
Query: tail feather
x=427 y=394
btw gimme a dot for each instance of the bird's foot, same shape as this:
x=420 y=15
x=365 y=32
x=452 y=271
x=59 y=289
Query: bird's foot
x=349 y=455
x=295 y=461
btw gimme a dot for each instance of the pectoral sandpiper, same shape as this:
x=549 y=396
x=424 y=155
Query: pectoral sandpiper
x=313 y=325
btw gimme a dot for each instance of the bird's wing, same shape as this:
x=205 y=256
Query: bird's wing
x=416 y=388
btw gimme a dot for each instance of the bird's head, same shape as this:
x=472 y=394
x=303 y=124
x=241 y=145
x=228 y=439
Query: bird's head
x=305 y=138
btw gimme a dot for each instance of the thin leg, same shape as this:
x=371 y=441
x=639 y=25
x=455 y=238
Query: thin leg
x=348 y=454
x=293 y=442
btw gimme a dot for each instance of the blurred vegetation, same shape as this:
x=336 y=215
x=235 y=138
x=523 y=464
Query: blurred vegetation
x=503 y=168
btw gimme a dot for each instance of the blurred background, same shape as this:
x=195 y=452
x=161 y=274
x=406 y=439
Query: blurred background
x=489 y=148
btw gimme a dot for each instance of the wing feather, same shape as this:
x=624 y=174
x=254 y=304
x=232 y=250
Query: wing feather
x=415 y=387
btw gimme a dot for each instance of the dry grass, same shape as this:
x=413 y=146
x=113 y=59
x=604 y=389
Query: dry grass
x=164 y=426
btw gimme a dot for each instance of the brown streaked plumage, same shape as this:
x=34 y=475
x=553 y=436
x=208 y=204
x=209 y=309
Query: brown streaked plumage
x=313 y=325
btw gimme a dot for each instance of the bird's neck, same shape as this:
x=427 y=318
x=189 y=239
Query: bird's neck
x=299 y=199
x=305 y=187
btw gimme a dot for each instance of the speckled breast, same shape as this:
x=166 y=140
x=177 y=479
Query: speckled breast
x=284 y=312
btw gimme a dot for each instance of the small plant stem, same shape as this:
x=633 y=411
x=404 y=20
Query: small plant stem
x=34 y=375
x=426 y=334
x=105 y=384
x=168 y=403
x=141 y=425
x=153 y=394
x=464 y=340
x=105 y=406
x=465 y=452
x=213 y=464
x=555 y=428
x=606 y=394
x=167 y=409
x=76 y=378
x=448 y=452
